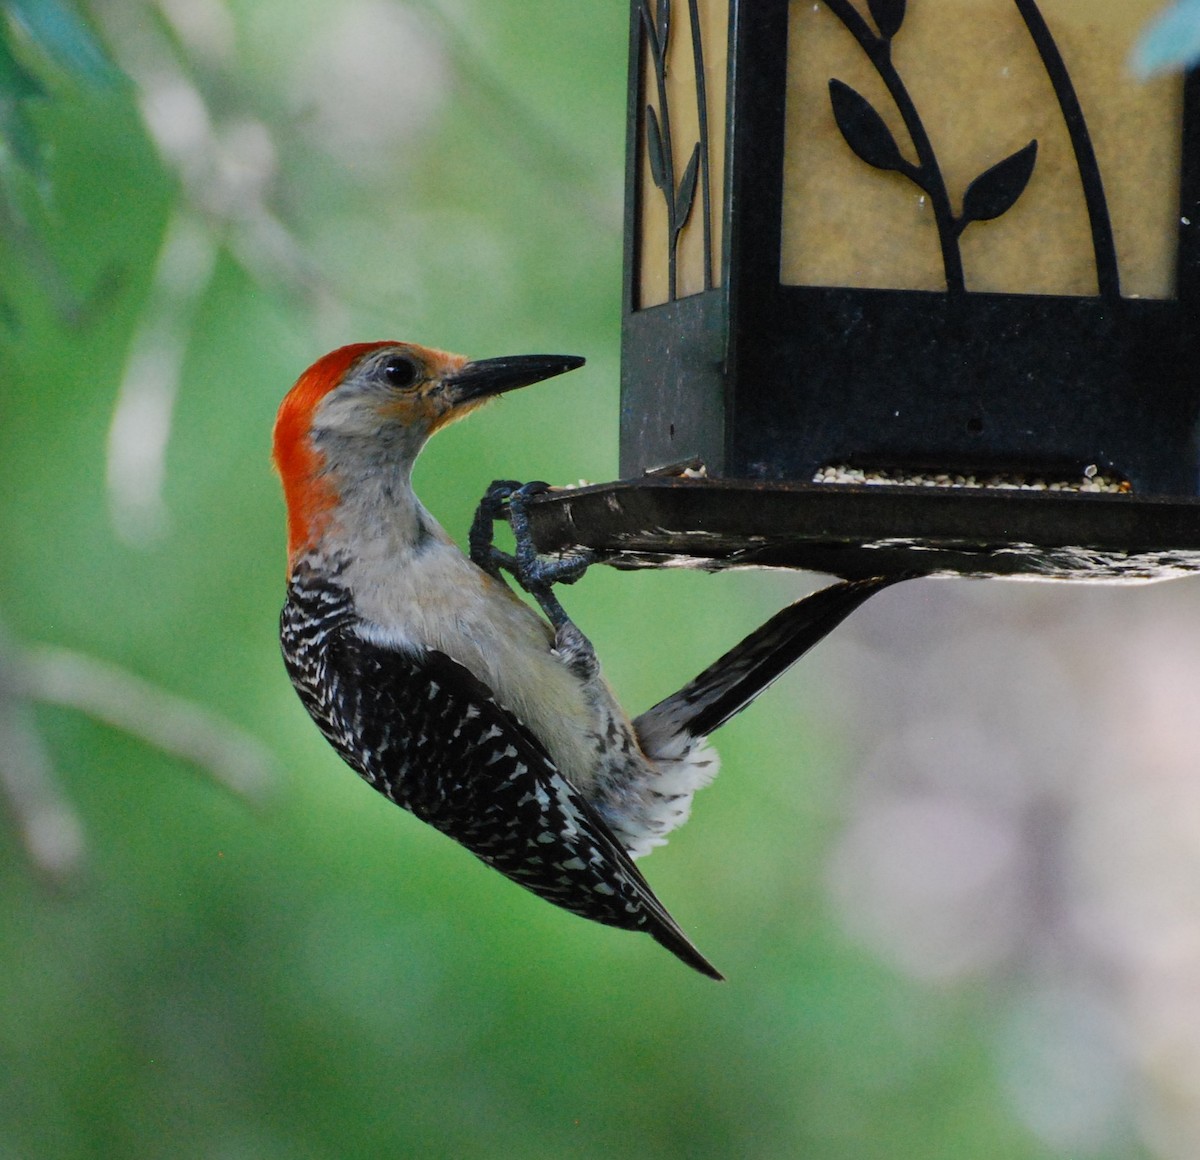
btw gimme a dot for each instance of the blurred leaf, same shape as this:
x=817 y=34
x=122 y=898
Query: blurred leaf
x=687 y=190
x=888 y=16
x=59 y=31
x=995 y=190
x=654 y=141
x=864 y=129
x=17 y=83
x=61 y=35
x=1172 y=40
x=18 y=138
x=664 y=26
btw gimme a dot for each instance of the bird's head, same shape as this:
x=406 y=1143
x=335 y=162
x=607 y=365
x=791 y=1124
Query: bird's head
x=370 y=407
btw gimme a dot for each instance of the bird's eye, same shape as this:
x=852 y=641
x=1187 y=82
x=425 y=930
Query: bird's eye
x=400 y=371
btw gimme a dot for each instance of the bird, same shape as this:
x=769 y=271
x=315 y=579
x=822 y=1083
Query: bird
x=447 y=692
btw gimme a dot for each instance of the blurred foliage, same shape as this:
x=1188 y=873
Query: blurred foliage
x=61 y=45
x=1172 y=41
x=322 y=976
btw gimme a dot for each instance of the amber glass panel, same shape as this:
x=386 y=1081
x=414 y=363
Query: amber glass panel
x=696 y=29
x=981 y=89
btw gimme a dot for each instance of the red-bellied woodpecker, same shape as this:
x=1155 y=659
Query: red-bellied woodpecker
x=452 y=696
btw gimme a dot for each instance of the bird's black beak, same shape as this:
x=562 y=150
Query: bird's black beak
x=494 y=376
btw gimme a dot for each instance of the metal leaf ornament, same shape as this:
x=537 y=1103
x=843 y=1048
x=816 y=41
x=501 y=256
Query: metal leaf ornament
x=996 y=190
x=864 y=129
x=664 y=25
x=888 y=16
x=687 y=190
x=654 y=143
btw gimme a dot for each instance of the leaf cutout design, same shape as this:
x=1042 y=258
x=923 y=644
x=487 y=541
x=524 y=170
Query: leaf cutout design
x=651 y=33
x=888 y=16
x=864 y=129
x=995 y=190
x=664 y=25
x=654 y=141
x=687 y=190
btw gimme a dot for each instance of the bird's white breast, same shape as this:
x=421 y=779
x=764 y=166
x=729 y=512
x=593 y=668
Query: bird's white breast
x=425 y=594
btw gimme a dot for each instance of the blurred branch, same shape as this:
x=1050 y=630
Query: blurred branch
x=558 y=161
x=49 y=827
x=141 y=423
x=170 y=723
x=226 y=166
x=226 y=170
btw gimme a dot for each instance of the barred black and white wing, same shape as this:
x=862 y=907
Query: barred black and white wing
x=424 y=731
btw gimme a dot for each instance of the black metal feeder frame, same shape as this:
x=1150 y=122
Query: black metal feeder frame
x=909 y=288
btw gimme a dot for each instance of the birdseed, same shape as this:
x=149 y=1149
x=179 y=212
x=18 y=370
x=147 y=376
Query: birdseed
x=1092 y=480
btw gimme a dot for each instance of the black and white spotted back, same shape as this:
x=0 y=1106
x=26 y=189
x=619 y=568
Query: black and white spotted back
x=430 y=736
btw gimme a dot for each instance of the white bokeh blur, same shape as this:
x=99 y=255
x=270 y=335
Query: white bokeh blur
x=1023 y=812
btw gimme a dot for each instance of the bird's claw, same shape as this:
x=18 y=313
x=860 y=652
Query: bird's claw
x=483 y=550
x=576 y=651
x=535 y=573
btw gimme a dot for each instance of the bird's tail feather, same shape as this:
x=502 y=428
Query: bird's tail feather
x=728 y=685
x=682 y=947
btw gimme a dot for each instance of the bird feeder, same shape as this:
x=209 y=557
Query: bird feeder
x=909 y=287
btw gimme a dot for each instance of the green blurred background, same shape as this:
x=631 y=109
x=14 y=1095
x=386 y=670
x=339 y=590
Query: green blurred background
x=952 y=867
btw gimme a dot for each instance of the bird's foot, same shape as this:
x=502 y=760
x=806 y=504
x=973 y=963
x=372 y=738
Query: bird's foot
x=576 y=651
x=535 y=573
x=481 y=538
